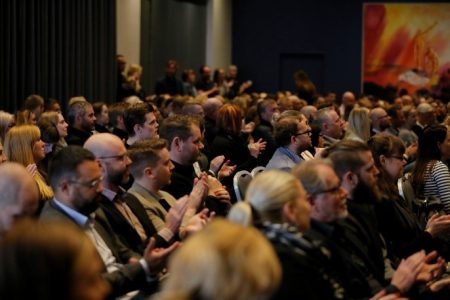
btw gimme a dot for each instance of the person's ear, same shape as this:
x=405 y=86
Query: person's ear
x=349 y=178
x=289 y=212
x=177 y=143
x=136 y=128
x=382 y=159
x=148 y=172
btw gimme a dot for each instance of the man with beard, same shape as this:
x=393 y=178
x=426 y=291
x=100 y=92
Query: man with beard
x=81 y=119
x=380 y=120
x=328 y=200
x=124 y=212
x=76 y=179
x=293 y=135
x=185 y=143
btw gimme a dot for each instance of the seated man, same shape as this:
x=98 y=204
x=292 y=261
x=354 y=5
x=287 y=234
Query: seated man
x=331 y=125
x=140 y=122
x=81 y=119
x=293 y=135
x=185 y=143
x=125 y=213
x=76 y=178
x=152 y=170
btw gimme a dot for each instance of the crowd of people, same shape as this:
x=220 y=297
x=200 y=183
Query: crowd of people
x=135 y=199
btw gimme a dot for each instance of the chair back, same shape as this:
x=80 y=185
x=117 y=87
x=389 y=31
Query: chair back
x=241 y=180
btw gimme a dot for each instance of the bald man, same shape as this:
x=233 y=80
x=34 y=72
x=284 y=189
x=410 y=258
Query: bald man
x=19 y=194
x=211 y=106
x=124 y=212
x=380 y=120
x=348 y=102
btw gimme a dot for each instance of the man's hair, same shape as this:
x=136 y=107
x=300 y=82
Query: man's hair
x=65 y=163
x=78 y=108
x=262 y=105
x=135 y=114
x=116 y=110
x=309 y=174
x=284 y=129
x=176 y=126
x=145 y=153
x=323 y=115
x=346 y=156
x=33 y=101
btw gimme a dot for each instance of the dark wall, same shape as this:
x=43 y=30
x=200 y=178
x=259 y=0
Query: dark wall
x=58 y=49
x=171 y=30
x=324 y=37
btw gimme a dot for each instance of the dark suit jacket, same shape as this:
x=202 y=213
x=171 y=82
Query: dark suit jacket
x=126 y=233
x=129 y=278
x=76 y=136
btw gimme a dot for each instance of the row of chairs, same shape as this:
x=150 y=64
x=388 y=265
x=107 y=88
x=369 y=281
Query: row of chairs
x=242 y=179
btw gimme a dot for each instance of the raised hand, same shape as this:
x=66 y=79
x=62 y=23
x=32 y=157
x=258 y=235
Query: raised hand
x=176 y=213
x=156 y=257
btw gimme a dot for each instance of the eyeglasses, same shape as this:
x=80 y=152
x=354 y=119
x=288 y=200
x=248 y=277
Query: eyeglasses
x=308 y=132
x=118 y=157
x=90 y=184
x=334 y=190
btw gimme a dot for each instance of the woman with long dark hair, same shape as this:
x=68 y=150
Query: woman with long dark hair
x=430 y=175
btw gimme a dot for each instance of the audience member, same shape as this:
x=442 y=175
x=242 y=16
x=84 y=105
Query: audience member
x=60 y=124
x=6 y=122
x=25 y=117
x=50 y=261
x=267 y=111
x=117 y=120
x=169 y=84
x=219 y=271
x=293 y=135
x=20 y=196
x=185 y=144
x=425 y=117
x=81 y=119
x=189 y=80
x=331 y=125
x=380 y=120
x=23 y=144
x=140 y=122
x=358 y=128
x=77 y=181
x=125 y=213
x=34 y=103
x=101 y=114
x=430 y=175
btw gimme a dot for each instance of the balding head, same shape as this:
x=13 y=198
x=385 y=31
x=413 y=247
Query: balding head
x=19 y=194
x=112 y=156
x=380 y=119
x=103 y=144
x=348 y=99
x=211 y=106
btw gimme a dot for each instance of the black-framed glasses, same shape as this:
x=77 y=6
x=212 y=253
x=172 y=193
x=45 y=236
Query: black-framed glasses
x=308 y=132
x=334 y=190
x=118 y=157
x=90 y=184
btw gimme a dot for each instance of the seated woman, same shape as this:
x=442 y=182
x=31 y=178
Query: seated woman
x=397 y=223
x=23 y=144
x=101 y=117
x=57 y=120
x=224 y=261
x=276 y=203
x=50 y=261
x=430 y=175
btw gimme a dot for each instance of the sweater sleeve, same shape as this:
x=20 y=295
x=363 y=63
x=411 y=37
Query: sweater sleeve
x=441 y=177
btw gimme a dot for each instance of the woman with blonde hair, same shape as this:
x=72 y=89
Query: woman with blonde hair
x=235 y=263
x=358 y=125
x=57 y=120
x=132 y=86
x=50 y=261
x=275 y=202
x=23 y=145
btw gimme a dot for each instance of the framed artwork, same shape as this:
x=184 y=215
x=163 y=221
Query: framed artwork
x=406 y=47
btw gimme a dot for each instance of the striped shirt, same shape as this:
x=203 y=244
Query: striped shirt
x=437 y=183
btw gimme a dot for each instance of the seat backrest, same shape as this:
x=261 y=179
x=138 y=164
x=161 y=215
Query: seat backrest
x=258 y=170
x=241 y=180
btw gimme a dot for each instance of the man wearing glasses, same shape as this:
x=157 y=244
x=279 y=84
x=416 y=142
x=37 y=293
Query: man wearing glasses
x=293 y=135
x=76 y=179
